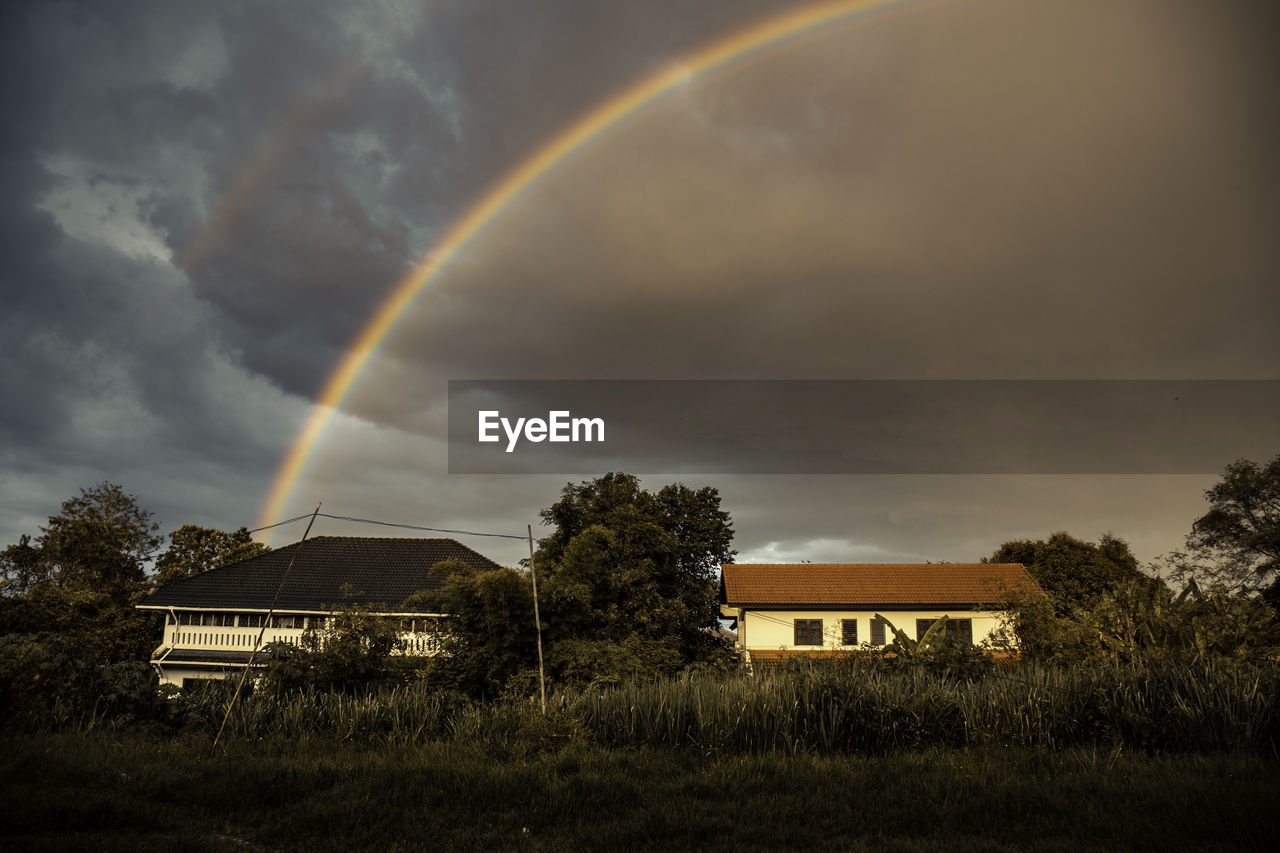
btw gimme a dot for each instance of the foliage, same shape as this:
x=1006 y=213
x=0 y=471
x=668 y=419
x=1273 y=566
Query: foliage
x=847 y=706
x=627 y=589
x=634 y=568
x=1075 y=573
x=934 y=650
x=22 y=567
x=490 y=636
x=1139 y=620
x=100 y=541
x=1208 y=571
x=1243 y=521
x=906 y=647
x=352 y=649
x=74 y=645
x=49 y=684
x=194 y=549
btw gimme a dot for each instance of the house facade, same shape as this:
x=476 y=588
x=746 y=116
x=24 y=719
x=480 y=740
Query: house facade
x=215 y=620
x=783 y=609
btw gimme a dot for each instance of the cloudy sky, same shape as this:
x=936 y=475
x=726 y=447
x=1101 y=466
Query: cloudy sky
x=205 y=203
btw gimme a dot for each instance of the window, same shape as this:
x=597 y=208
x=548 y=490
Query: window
x=960 y=630
x=849 y=632
x=251 y=620
x=877 y=632
x=808 y=632
x=957 y=630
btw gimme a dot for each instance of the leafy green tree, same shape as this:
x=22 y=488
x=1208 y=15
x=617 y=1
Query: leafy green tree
x=194 y=549
x=490 y=636
x=100 y=541
x=627 y=583
x=1243 y=521
x=67 y=620
x=350 y=650
x=22 y=567
x=1138 y=619
x=634 y=568
x=1075 y=573
x=1208 y=571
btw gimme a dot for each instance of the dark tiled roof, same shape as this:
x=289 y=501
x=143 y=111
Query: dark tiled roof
x=382 y=570
x=871 y=584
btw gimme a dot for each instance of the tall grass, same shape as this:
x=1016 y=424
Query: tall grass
x=1208 y=706
x=1205 y=707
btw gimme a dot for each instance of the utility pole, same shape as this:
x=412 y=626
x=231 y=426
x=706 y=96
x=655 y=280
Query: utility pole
x=542 y=681
x=266 y=622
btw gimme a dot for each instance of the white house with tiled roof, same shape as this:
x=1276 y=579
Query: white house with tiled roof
x=215 y=620
x=785 y=609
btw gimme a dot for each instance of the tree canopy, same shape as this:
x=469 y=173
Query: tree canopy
x=625 y=566
x=194 y=549
x=1243 y=521
x=491 y=634
x=1074 y=572
x=68 y=629
x=627 y=583
x=100 y=541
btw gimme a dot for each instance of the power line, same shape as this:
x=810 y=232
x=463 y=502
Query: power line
x=280 y=523
x=390 y=524
x=415 y=527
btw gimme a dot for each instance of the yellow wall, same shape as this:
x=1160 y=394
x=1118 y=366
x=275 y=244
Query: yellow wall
x=775 y=629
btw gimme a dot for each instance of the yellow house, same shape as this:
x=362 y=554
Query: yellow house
x=785 y=609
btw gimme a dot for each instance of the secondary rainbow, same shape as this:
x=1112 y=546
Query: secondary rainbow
x=593 y=123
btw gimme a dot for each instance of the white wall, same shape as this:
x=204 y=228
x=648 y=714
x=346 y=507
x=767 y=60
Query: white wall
x=775 y=629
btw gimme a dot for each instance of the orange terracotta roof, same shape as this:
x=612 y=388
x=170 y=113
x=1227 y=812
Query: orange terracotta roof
x=853 y=584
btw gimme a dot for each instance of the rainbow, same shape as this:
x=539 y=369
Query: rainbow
x=596 y=121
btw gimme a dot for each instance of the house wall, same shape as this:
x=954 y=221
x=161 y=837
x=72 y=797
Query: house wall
x=774 y=630
x=180 y=673
x=234 y=638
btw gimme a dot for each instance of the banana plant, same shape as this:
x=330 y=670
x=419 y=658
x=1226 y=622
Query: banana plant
x=909 y=648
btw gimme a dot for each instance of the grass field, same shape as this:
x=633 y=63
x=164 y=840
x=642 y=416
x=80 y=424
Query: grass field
x=131 y=792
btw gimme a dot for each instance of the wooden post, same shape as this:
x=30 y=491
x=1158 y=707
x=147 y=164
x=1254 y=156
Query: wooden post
x=542 y=681
x=261 y=631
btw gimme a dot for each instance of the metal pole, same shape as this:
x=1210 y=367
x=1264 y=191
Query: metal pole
x=265 y=622
x=542 y=681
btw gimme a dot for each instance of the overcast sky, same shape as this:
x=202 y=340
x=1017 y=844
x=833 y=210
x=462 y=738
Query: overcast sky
x=204 y=203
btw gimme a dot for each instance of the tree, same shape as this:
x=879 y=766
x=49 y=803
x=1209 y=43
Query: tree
x=101 y=541
x=22 y=567
x=627 y=567
x=489 y=637
x=347 y=651
x=1075 y=573
x=1243 y=521
x=67 y=621
x=195 y=549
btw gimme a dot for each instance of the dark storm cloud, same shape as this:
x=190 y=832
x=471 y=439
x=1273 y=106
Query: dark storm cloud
x=204 y=203
x=1032 y=201
x=111 y=370
x=972 y=190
